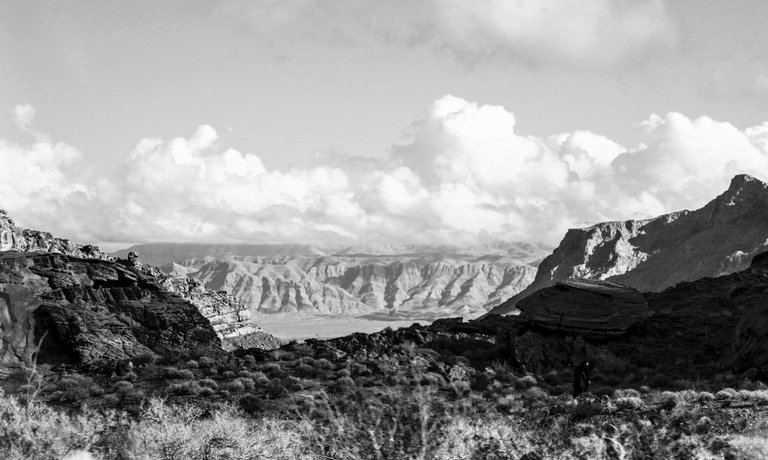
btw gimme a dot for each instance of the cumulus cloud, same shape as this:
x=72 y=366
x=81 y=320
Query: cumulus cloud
x=587 y=32
x=461 y=175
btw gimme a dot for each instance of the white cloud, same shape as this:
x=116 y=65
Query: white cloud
x=461 y=175
x=584 y=33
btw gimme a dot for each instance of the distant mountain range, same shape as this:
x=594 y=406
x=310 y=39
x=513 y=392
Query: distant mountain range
x=325 y=279
x=654 y=254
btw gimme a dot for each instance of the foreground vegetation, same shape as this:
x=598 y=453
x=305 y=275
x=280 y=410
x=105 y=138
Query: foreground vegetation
x=301 y=407
x=390 y=395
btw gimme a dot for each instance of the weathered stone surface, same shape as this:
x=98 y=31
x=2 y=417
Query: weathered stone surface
x=89 y=309
x=13 y=238
x=654 y=254
x=229 y=317
x=591 y=308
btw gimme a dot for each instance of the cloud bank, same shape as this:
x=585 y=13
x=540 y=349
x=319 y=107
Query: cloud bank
x=541 y=32
x=460 y=175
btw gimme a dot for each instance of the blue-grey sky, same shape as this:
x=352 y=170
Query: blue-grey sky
x=373 y=121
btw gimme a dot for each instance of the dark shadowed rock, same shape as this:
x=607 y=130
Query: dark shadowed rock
x=591 y=308
x=90 y=309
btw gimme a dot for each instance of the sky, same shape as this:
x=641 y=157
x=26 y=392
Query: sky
x=373 y=122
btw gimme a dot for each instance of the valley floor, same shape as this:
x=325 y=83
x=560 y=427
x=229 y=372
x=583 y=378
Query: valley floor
x=294 y=326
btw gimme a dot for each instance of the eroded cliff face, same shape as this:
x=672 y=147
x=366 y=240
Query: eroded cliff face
x=653 y=254
x=343 y=285
x=82 y=310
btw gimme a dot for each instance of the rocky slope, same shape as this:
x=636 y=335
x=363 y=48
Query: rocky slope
x=230 y=318
x=82 y=310
x=434 y=281
x=711 y=328
x=653 y=254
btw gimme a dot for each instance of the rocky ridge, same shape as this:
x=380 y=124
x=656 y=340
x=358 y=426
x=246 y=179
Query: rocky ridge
x=654 y=254
x=230 y=319
x=435 y=281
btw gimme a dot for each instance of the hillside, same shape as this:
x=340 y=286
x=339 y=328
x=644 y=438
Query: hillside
x=653 y=254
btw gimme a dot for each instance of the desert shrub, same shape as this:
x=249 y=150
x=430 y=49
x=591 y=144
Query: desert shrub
x=345 y=382
x=251 y=404
x=505 y=404
x=206 y=392
x=754 y=396
x=459 y=388
x=749 y=447
x=228 y=374
x=208 y=383
x=360 y=369
x=235 y=386
x=525 y=382
x=275 y=390
x=183 y=388
x=75 y=387
x=192 y=364
x=305 y=370
x=503 y=372
x=668 y=400
x=343 y=373
x=431 y=378
x=705 y=397
x=324 y=364
x=273 y=370
x=627 y=393
x=480 y=381
x=587 y=408
x=181 y=374
x=130 y=376
x=726 y=393
x=536 y=394
x=247 y=383
x=249 y=374
x=205 y=362
x=629 y=402
x=122 y=387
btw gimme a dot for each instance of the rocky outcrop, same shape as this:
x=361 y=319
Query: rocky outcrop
x=654 y=254
x=591 y=308
x=82 y=310
x=229 y=317
x=13 y=238
x=694 y=329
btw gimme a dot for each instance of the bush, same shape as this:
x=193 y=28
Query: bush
x=587 y=408
x=324 y=364
x=75 y=387
x=247 y=383
x=251 y=404
x=122 y=387
x=726 y=394
x=629 y=402
x=433 y=379
x=208 y=383
x=183 y=388
x=523 y=383
x=627 y=393
x=205 y=362
x=206 y=392
x=173 y=373
x=192 y=364
x=234 y=386
x=144 y=359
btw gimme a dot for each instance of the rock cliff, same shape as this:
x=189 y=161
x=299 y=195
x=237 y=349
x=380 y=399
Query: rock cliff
x=358 y=284
x=653 y=254
x=82 y=310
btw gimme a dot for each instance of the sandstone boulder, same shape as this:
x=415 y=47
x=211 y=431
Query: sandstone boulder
x=591 y=308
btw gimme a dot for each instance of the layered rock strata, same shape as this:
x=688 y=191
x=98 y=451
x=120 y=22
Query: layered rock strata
x=592 y=308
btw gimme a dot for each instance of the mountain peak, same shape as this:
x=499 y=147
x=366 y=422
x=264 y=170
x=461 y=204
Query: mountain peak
x=744 y=181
